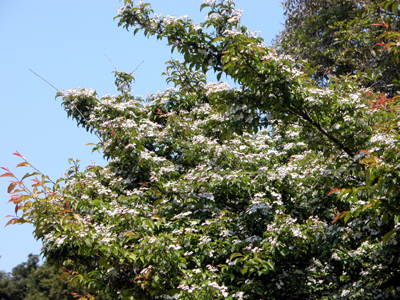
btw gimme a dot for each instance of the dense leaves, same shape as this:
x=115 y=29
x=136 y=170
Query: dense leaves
x=282 y=186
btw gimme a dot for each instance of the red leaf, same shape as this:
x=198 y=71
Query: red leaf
x=334 y=191
x=5 y=169
x=63 y=275
x=66 y=203
x=69 y=271
x=37 y=181
x=381 y=44
x=12 y=221
x=16 y=208
x=376 y=24
x=17 y=154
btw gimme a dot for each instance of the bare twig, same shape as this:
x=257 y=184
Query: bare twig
x=136 y=68
x=111 y=62
x=45 y=81
x=72 y=104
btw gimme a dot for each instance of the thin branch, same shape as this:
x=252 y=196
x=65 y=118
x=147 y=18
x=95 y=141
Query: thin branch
x=72 y=104
x=136 y=68
x=45 y=80
x=111 y=62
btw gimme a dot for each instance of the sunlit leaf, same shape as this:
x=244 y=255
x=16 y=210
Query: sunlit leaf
x=19 y=199
x=23 y=164
x=333 y=191
x=387 y=236
x=7 y=175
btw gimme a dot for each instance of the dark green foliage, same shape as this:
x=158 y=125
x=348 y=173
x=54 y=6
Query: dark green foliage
x=31 y=281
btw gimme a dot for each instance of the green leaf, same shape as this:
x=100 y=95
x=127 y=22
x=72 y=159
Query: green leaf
x=236 y=254
x=387 y=236
x=395 y=6
x=203 y=5
x=103 y=261
x=385 y=218
x=347 y=217
x=218 y=38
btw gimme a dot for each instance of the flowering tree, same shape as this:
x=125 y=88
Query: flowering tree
x=273 y=188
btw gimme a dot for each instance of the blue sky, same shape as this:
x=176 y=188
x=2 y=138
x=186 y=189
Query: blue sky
x=65 y=41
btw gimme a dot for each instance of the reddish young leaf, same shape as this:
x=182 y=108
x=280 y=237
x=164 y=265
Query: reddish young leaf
x=16 y=208
x=37 y=181
x=12 y=221
x=17 y=154
x=63 y=275
x=381 y=44
x=334 y=191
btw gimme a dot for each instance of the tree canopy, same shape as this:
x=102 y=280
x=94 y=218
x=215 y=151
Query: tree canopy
x=277 y=185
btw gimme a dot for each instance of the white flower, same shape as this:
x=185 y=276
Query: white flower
x=233 y=19
x=344 y=293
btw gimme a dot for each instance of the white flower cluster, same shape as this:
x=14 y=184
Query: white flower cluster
x=215 y=87
x=76 y=93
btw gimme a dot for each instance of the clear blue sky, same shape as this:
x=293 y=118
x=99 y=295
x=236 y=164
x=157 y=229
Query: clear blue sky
x=65 y=41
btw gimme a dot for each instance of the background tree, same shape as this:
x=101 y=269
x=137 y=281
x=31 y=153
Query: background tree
x=31 y=281
x=340 y=37
x=280 y=187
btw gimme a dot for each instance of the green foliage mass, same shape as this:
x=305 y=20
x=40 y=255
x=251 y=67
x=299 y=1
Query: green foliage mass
x=282 y=186
x=31 y=281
